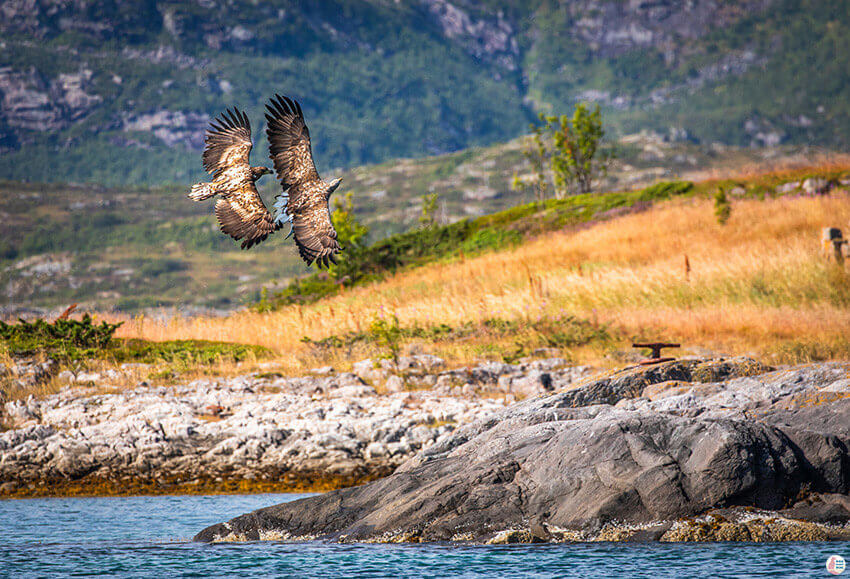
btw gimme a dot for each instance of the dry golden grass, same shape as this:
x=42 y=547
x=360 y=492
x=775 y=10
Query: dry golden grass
x=757 y=284
x=790 y=166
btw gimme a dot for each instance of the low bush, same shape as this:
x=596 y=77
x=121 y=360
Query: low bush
x=62 y=340
x=69 y=341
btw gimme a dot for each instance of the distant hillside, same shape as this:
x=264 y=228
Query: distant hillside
x=120 y=92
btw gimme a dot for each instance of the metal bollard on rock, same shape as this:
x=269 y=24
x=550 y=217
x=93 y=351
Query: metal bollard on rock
x=833 y=244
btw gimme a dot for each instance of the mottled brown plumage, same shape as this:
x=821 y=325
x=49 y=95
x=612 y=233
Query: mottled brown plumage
x=308 y=194
x=240 y=211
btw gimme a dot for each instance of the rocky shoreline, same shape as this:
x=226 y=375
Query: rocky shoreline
x=689 y=450
x=253 y=433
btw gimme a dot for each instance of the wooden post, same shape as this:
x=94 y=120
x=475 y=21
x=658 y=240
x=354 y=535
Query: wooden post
x=833 y=242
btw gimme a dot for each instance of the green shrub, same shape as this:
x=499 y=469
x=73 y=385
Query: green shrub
x=665 y=190
x=387 y=334
x=160 y=266
x=71 y=341
x=722 y=206
x=7 y=250
x=62 y=340
x=184 y=353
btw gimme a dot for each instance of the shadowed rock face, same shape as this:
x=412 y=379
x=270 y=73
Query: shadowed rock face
x=544 y=464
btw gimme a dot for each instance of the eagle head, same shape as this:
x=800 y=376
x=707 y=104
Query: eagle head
x=334 y=184
x=257 y=172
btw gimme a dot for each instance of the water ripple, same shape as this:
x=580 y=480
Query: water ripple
x=149 y=537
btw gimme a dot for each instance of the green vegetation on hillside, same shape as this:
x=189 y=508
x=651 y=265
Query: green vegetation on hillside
x=467 y=237
x=73 y=341
x=796 y=88
x=386 y=86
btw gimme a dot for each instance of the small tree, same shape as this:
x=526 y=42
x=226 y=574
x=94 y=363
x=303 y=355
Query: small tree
x=351 y=235
x=387 y=334
x=572 y=147
x=577 y=157
x=722 y=207
x=428 y=217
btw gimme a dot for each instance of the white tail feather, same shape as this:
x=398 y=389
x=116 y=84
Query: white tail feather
x=201 y=191
x=280 y=206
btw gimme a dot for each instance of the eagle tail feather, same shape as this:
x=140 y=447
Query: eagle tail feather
x=201 y=191
x=280 y=214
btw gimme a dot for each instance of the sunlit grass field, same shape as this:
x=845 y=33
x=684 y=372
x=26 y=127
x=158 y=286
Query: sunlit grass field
x=758 y=284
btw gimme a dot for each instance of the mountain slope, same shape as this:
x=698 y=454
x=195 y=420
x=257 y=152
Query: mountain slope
x=119 y=92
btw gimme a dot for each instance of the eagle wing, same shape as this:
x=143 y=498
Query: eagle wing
x=307 y=201
x=240 y=211
x=228 y=143
x=243 y=215
x=315 y=235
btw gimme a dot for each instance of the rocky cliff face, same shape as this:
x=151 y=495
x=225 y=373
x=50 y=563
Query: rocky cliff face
x=171 y=127
x=31 y=101
x=44 y=19
x=612 y=28
x=485 y=35
x=75 y=73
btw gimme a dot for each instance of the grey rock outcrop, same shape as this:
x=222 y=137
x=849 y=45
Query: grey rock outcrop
x=31 y=101
x=574 y=463
x=324 y=429
x=485 y=36
x=615 y=27
x=171 y=127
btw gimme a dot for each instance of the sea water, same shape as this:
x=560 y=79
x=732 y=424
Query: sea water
x=151 y=537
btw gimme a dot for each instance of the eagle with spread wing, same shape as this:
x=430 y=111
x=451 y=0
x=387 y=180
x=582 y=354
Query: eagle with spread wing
x=304 y=199
x=305 y=195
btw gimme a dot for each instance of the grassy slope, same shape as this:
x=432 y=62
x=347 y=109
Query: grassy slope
x=134 y=248
x=757 y=284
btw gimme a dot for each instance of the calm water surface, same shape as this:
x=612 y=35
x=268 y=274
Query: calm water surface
x=150 y=537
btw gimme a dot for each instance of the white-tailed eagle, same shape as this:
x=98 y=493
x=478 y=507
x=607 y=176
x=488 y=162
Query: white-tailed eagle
x=304 y=199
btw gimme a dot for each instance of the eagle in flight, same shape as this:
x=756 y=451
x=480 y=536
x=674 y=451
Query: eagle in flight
x=303 y=201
